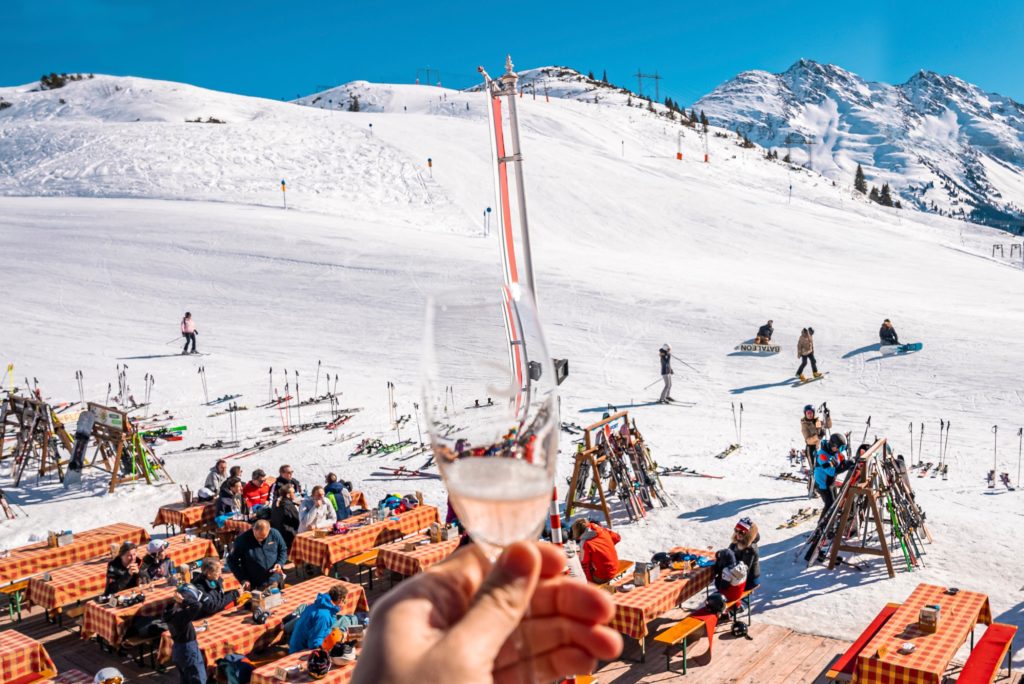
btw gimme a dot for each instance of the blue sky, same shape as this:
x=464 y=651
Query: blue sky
x=282 y=49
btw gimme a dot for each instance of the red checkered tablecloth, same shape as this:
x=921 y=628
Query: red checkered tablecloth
x=324 y=552
x=394 y=557
x=35 y=558
x=339 y=674
x=932 y=654
x=184 y=517
x=111 y=623
x=22 y=656
x=87 y=580
x=233 y=631
x=634 y=609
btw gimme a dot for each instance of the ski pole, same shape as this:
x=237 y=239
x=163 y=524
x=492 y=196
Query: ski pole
x=735 y=426
x=335 y=384
x=741 y=422
x=176 y=339
x=945 y=446
x=995 y=449
x=651 y=385
x=270 y=393
x=866 y=428
x=316 y=385
x=298 y=401
x=920 y=443
x=1020 y=448
x=106 y=402
x=942 y=429
x=911 y=444
x=684 y=363
x=416 y=410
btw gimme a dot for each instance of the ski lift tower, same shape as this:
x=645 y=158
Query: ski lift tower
x=794 y=138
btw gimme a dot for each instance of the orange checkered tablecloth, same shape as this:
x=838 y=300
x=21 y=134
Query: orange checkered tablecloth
x=111 y=623
x=394 y=557
x=22 y=656
x=326 y=551
x=933 y=652
x=183 y=517
x=339 y=674
x=35 y=558
x=87 y=580
x=634 y=609
x=233 y=631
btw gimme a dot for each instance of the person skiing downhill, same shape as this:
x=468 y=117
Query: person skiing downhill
x=887 y=334
x=805 y=350
x=665 y=353
x=764 y=334
x=188 y=331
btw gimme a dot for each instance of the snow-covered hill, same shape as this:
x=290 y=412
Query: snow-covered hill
x=941 y=143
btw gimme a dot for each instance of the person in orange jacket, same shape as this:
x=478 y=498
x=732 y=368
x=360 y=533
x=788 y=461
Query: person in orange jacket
x=599 y=558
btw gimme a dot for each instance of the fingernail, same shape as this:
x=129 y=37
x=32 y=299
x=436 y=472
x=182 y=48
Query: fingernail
x=517 y=562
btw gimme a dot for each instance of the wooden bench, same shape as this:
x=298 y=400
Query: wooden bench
x=743 y=599
x=982 y=665
x=15 y=592
x=366 y=560
x=842 y=670
x=676 y=635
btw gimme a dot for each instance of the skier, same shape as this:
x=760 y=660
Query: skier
x=188 y=331
x=764 y=334
x=666 y=373
x=827 y=464
x=887 y=334
x=83 y=431
x=805 y=350
x=813 y=429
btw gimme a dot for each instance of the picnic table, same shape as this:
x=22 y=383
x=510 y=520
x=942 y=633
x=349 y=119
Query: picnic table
x=880 y=660
x=328 y=550
x=32 y=559
x=265 y=674
x=233 y=630
x=111 y=624
x=88 y=579
x=395 y=558
x=23 y=659
x=199 y=514
x=636 y=608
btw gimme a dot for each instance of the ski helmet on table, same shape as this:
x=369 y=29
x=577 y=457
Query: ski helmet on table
x=716 y=603
x=318 y=664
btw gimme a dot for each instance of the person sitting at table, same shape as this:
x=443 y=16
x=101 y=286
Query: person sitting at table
x=259 y=556
x=154 y=563
x=321 y=617
x=123 y=570
x=236 y=471
x=599 y=558
x=339 y=493
x=218 y=473
x=730 y=575
x=229 y=501
x=185 y=653
x=316 y=511
x=284 y=478
x=745 y=540
x=210 y=584
x=256 y=491
x=284 y=514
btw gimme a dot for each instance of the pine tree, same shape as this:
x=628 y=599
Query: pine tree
x=604 y=77
x=788 y=159
x=885 y=198
x=859 y=183
x=873 y=195
x=353 y=106
x=703 y=121
x=629 y=100
x=590 y=75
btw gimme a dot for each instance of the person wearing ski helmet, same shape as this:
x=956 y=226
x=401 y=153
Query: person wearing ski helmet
x=827 y=461
x=665 y=354
x=185 y=653
x=188 y=331
x=805 y=350
x=764 y=333
x=813 y=429
x=887 y=334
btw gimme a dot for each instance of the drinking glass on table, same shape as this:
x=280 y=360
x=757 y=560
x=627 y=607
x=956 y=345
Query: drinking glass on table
x=491 y=405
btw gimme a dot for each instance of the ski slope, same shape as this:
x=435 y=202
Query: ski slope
x=109 y=236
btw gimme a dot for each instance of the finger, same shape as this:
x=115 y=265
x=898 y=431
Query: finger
x=500 y=603
x=552 y=560
x=572 y=598
x=550 y=666
x=548 y=634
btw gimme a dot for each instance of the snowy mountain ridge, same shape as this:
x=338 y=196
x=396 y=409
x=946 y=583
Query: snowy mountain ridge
x=943 y=144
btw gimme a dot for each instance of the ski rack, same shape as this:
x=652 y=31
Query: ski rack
x=38 y=434
x=120 y=449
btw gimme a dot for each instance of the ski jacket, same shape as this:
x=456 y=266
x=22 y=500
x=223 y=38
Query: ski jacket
x=824 y=468
x=284 y=517
x=812 y=428
x=745 y=547
x=282 y=481
x=214 y=599
x=214 y=480
x=118 y=577
x=600 y=560
x=188 y=326
x=888 y=335
x=251 y=560
x=313 y=626
x=341 y=498
x=805 y=345
x=179 y=617
x=152 y=566
x=229 y=504
x=311 y=515
x=666 y=363
x=765 y=331
x=255 y=494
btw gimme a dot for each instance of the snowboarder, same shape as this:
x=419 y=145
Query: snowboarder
x=805 y=350
x=83 y=431
x=764 y=334
x=813 y=429
x=887 y=334
x=188 y=331
x=666 y=373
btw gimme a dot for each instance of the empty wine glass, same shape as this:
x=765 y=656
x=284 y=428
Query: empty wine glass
x=490 y=399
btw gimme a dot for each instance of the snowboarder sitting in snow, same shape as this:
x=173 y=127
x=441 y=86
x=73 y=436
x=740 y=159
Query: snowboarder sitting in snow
x=599 y=558
x=665 y=353
x=813 y=428
x=189 y=332
x=764 y=334
x=887 y=334
x=805 y=350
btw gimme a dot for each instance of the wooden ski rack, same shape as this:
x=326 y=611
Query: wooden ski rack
x=588 y=458
x=38 y=434
x=120 y=449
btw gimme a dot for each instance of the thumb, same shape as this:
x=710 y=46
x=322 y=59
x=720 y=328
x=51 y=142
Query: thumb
x=501 y=602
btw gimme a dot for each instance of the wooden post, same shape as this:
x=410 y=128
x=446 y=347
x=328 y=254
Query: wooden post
x=585 y=459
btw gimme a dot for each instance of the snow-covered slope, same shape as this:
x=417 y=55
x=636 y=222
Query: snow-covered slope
x=940 y=142
x=632 y=249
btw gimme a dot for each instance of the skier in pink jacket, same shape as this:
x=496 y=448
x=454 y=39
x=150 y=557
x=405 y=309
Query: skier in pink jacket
x=188 y=331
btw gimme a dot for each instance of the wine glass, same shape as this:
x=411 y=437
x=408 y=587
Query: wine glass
x=491 y=404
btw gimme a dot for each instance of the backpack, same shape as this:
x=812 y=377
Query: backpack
x=237 y=669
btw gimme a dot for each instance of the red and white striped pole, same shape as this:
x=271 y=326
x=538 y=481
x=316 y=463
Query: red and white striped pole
x=554 y=518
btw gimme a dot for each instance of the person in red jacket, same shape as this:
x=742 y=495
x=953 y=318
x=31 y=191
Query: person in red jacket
x=599 y=558
x=256 y=491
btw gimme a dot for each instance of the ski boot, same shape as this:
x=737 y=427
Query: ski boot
x=803 y=378
x=817 y=375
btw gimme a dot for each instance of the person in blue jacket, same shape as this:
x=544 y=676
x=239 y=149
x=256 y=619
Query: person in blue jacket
x=827 y=462
x=259 y=556
x=321 y=617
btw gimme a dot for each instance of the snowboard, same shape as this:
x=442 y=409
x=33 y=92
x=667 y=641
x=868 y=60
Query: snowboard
x=809 y=380
x=763 y=348
x=890 y=349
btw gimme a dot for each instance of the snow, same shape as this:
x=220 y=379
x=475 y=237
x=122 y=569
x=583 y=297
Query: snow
x=111 y=229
